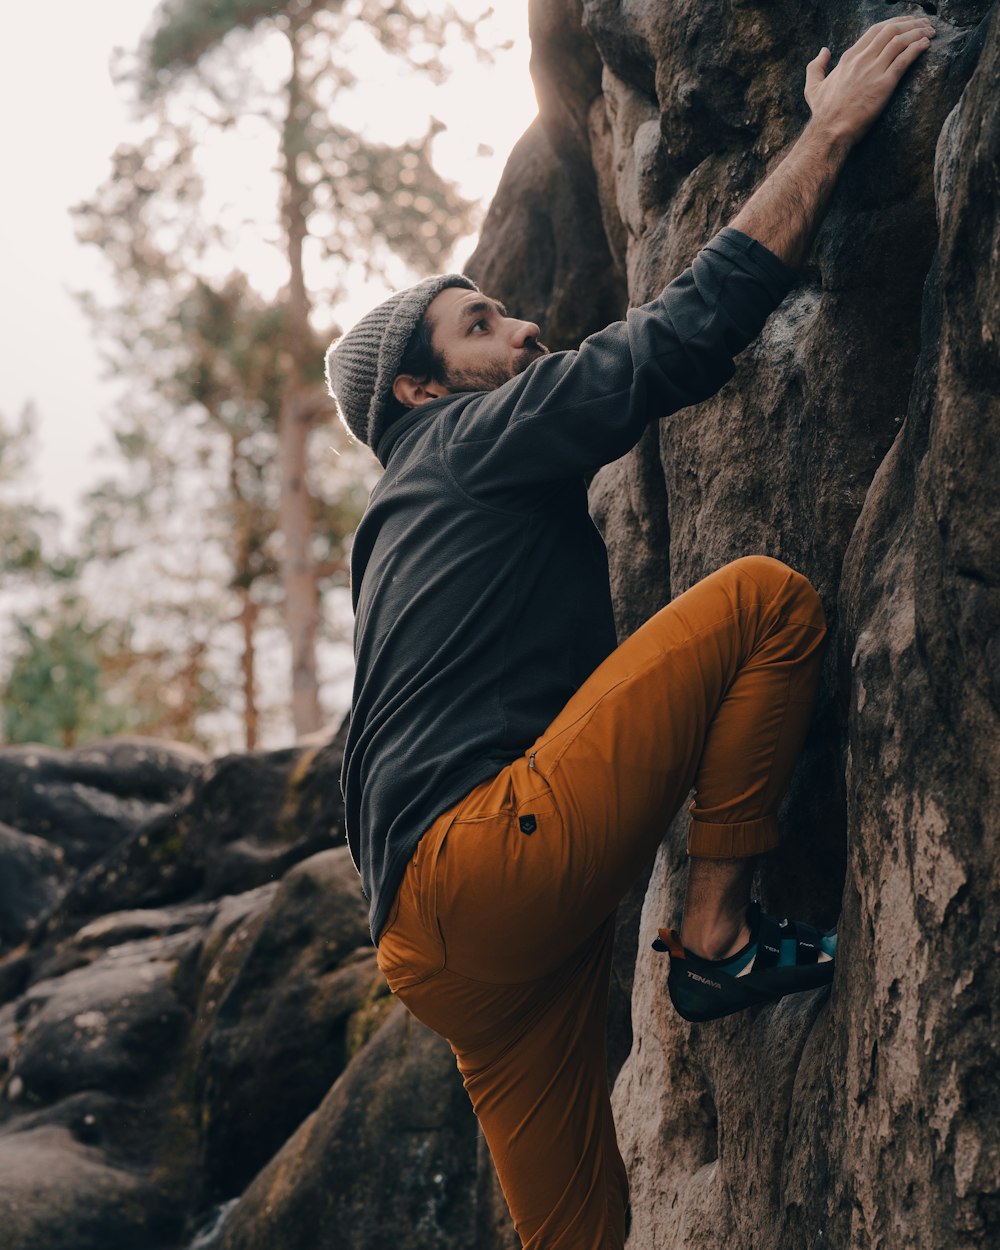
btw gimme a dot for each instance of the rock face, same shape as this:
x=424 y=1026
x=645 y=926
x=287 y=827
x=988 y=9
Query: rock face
x=857 y=442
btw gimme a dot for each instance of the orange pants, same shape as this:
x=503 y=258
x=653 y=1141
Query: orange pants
x=500 y=935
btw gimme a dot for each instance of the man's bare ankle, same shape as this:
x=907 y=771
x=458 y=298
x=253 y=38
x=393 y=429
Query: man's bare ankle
x=714 y=923
x=716 y=940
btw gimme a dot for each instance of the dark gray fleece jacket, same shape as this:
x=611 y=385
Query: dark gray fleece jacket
x=480 y=583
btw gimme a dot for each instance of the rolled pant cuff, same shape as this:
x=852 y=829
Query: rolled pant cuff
x=735 y=841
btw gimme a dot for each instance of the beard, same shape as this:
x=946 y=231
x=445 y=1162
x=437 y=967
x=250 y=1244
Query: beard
x=489 y=376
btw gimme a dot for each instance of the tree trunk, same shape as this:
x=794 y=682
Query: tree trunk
x=248 y=621
x=298 y=577
x=243 y=582
x=297 y=413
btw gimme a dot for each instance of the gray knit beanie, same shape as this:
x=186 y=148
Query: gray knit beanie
x=362 y=365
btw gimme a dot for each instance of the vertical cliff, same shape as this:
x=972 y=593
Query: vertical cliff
x=858 y=442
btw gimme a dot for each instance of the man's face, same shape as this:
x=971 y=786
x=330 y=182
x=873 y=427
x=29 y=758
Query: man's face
x=480 y=345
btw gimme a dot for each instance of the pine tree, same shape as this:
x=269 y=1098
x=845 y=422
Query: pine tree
x=75 y=675
x=26 y=528
x=355 y=199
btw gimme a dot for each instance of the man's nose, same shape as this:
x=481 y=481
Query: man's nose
x=523 y=330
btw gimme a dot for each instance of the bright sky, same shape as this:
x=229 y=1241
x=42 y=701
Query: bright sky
x=62 y=117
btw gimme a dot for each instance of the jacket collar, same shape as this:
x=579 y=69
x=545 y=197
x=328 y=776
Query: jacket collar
x=402 y=426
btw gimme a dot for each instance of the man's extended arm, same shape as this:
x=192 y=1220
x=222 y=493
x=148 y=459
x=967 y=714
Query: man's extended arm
x=571 y=412
x=786 y=209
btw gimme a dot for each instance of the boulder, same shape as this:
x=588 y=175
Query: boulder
x=33 y=875
x=543 y=251
x=921 y=598
x=153 y=1059
x=247 y=819
x=87 y=800
x=58 y=1193
x=111 y=1024
x=279 y=1017
x=389 y=1158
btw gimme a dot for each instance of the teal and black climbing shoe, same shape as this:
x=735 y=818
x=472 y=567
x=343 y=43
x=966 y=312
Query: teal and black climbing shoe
x=782 y=957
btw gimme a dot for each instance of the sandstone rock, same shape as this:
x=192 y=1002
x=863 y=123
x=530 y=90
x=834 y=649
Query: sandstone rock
x=254 y=816
x=244 y=827
x=108 y=1025
x=87 y=800
x=388 y=1159
x=161 y=1055
x=156 y=1054
x=274 y=1017
x=874 y=386
x=921 y=593
x=142 y=768
x=87 y=1062
x=15 y=972
x=58 y=1193
x=629 y=504
x=248 y=819
x=544 y=249
x=130 y=926
x=33 y=875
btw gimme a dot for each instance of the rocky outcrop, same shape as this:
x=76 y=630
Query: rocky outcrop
x=33 y=876
x=856 y=442
x=196 y=1045
x=389 y=1158
x=85 y=801
x=249 y=818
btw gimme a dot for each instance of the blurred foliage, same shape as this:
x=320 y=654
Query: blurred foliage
x=53 y=693
x=27 y=531
x=183 y=532
x=187 y=30
x=364 y=200
x=74 y=677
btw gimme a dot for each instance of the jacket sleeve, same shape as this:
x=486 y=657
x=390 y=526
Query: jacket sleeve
x=571 y=412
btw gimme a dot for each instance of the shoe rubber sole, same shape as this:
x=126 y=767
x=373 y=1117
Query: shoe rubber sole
x=768 y=986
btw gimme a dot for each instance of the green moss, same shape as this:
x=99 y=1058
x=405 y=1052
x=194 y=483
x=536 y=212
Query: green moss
x=368 y=1019
x=169 y=849
x=302 y=766
x=289 y=819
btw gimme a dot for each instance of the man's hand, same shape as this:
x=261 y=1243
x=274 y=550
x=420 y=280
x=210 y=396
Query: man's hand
x=848 y=99
x=786 y=209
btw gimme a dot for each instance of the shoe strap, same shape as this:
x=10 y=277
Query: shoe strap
x=771 y=932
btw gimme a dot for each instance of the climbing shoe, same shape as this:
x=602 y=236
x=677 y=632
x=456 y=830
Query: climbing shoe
x=782 y=957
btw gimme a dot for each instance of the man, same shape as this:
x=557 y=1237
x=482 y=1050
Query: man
x=509 y=771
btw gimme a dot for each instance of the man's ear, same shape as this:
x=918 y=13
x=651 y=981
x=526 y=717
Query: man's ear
x=412 y=392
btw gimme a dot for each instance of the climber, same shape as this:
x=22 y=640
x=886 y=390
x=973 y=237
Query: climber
x=509 y=770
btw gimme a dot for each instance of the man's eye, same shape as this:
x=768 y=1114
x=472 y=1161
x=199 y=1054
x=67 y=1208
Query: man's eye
x=479 y=325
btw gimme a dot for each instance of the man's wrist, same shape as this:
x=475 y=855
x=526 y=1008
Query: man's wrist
x=826 y=139
x=785 y=210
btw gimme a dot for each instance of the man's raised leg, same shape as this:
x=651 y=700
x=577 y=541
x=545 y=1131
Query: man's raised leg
x=511 y=893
